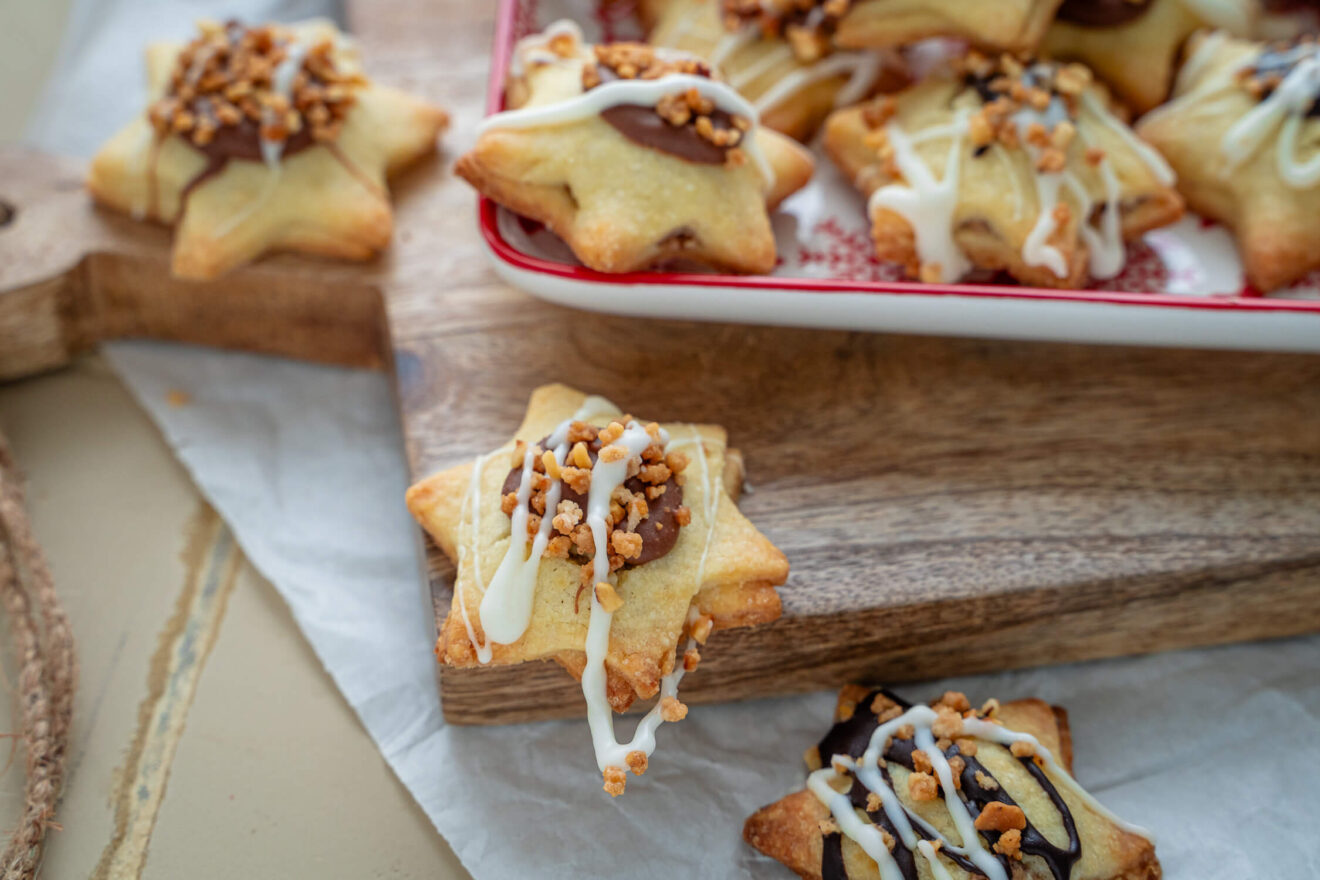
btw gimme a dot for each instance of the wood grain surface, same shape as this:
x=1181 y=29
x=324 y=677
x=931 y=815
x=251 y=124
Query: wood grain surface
x=947 y=505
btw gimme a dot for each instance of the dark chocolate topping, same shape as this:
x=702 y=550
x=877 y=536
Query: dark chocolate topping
x=1276 y=62
x=659 y=530
x=642 y=125
x=1102 y=13
x=851 y=737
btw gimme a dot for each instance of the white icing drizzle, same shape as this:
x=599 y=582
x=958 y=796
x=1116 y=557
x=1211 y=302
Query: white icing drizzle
x=925 y=203
x=501 y=617
x=1298 y=175
x=474 y=511
x=864 y=834
x=1148 y=154
x=937 y=869
x=728 y=45
x=1200 y=59
x=863 y=69
x=1036 y=249
x=997 y=733
x=928 y=205
x=767 y=62
x=508 y=614
x=281 y=85
x=645 y=93
x=867 y=771
x=534 y=49
x=506 y=606
x=1282 y=109
x=609 y=751
x=1104 y=245
x=237 y=219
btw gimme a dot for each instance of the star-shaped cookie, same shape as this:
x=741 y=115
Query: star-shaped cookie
x=634 y=156
x=1012 y=25
x=947 y=791
x=1241 y=131
x=1005 y=164
x=1133 y=46
x=682 y=560
x=793 y=75
x=261 y=139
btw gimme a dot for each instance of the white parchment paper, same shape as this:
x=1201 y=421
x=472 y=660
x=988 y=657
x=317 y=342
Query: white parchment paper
x=1218 y=751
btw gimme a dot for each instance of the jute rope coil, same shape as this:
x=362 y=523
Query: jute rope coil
x=48 y=671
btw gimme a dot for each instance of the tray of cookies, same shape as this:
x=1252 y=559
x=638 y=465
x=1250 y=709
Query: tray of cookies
x=945 y=171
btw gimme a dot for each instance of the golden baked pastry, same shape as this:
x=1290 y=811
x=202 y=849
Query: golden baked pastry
x=947 y=792
x=634 y=156
x=1003 y=164
x=629 y=541
x=1013 y=25
x=261 y=139
x=1243 y=134
x=1133 y=44
x=793 y=83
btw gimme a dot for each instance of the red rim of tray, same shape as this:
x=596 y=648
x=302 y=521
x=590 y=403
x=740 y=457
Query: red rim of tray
x=1247 y=300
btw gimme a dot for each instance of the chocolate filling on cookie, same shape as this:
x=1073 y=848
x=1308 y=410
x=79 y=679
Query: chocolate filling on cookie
x=646 y=512
x=253 y=94
x=1102 y=13
x=1273 y=65
x=977 y=789
x=807 y=25
x=687 y=124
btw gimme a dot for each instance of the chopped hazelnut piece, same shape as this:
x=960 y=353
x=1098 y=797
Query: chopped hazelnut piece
x=1022 y=748
x=948 y=723
x=997 y=816
x=615 y=780
x=550 y=464
x=672 y=710
x=612 y=453
x=626 y=544
x=608 y=597
x=691 y=657
x=922 y=787
x=701 y=628
x=1010 y=844
x=956 y=767
x=637 y=761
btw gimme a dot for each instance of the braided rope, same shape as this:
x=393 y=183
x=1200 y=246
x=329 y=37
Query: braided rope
x=48 y=671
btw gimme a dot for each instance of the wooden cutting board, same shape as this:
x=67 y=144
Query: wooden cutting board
x=948 y=505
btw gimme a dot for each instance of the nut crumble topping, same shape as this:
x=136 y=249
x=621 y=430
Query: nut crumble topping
x=223 y=83
x=638 y=511
x=688 y=108
x=806 y=25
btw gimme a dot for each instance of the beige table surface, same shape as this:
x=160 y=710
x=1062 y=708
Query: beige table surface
x=266 y=771
x=272 y=776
